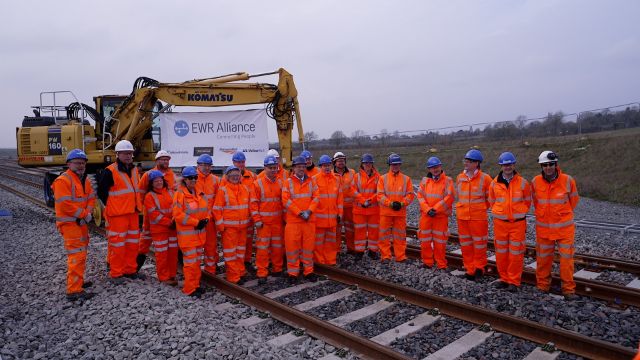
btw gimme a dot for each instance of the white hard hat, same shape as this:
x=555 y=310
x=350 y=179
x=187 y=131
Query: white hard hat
x=547 y=156
x=162 y=153
x=339 y=155
x=124 y=145
x=273 y=152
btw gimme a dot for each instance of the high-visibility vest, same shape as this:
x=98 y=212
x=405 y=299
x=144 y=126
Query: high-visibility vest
x=298 y=196
x=168 y=176
x=510 y=203
x=313 y=172
x=472 y=196
x=231 y=207
x=394 y=187
x=159 y=209
x=266 y=202
x=346 y=183
x=554 y=203
x=208 y=186
x=437 y=195
x=124 y=196
x=282 y=174
x=73 y=201
x=364 y=188
x=188 y=210
x=331 y=198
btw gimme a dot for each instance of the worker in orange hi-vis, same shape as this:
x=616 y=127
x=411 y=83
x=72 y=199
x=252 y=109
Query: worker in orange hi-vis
x=346 y=177
x=74 y=202
x=510 y=199
x=300 y=197
x=247 y=178
x=162 y=165
x=191 y=214
x=281 y=174
x=232 y=214
x=366 y=212
x=394 y=194
x=207 y=185
x=118 y=189
x=472 y=191
x=158 y=204
x=266 y=211
x=436 y=196
x=555 y=196
x=328 y=213
x=311 y=168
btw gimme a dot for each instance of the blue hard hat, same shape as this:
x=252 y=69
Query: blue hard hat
x=230 y=168
x=299 y=160
x=324 y=159
x=154 y=174
x=433 y=161
x=506 y=158
x=367 y=158
x=270 y=160
x=189 y=171
x=306 y=154
x=474 y=155
x=239 y=156
x=76 y=154
x=205 y=159
x=395 y=159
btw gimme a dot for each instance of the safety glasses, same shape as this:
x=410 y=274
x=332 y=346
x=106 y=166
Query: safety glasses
x=548 y=164
x=191 y=177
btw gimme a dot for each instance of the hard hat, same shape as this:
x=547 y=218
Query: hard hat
x=231 y=168
x=433 y=161
x=239 y=156
x=299 y=160
x=76 y=154
x=394 y=159
x=205 y=159
x=270 y=160
x=124 y=145
x=474 y=155
x=189 y=171
x=547 y=156
x=367 y=158
x=162 y=153
x=339 y=155
x=506 y=158
x=274 y=153
x=306 y=154
x=324 y=159
x=154 y=174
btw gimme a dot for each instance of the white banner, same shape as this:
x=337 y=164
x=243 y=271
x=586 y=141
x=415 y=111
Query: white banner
x=188 y=135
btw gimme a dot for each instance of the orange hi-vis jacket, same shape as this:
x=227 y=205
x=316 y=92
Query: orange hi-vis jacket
x=282 y=174
x=331 y=197
x=472 y=196
x=300 y=195
x=364 y=188
x=510 y=203
x=207 y=185
x=159 y=208
x=124 y=196
x=266 y=201
x=554 y=203
x=188 y=210
x=437 y=195
x=231 y=207
x=247 y=178
x=311 y=172
x=168 y=176
x=394 y=187
x=73 y=201
x=346 y=183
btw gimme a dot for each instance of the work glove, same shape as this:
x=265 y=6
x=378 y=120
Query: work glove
x=81 y=222
x=259 y=225
x=396 y=205
x=201 y=224
x=88 y=218
x=305 y=215
x=366 y=204
x=172 y=226
x=432 y=212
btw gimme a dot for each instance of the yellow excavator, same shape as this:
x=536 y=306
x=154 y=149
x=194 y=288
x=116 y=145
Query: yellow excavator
x=46 y=138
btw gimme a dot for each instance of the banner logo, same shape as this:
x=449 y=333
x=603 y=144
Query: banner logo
x=181 y=128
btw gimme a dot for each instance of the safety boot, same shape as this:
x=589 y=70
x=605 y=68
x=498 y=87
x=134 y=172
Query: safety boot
x=570 y=297
x=262 y=281
x=478 y=274
x=311 y=277
x=250 y=269
x=140 y=259
x=83 y=295
x=373 y=255
x=512 y=288
x=358 y=256
x=87 y=284
x=277 y=274
x=469 y=277
x=501 y=285
x=293 y=280
x=136 y=276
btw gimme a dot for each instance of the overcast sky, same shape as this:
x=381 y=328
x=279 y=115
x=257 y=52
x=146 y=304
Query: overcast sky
x=369 y=65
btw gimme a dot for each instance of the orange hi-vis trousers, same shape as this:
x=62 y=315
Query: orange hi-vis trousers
x=473 y=243
x=349 y=230
x=367 y=228
x=123 y=236
x=191 y=258
x=544 y=258
x=299 y=240
x=233 y=241
x=211 y=256
x=269 y=246
x=76 y=241
x=509 y=243
x=326 y=246
x=393 y=229
x=165 y=245
x=433 y=234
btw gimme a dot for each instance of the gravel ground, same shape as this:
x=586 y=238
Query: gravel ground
x=432 y=338
x=495 y=346
x=385 y=320
x=311 y=293
x=340 y=307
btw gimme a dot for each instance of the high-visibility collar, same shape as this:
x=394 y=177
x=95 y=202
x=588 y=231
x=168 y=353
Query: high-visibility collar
x=475 y=172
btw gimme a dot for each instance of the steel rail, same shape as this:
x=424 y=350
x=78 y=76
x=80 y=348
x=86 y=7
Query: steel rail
x=24 y=181
x=564 y=340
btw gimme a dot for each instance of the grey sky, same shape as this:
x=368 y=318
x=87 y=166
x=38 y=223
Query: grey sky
x=399 y=65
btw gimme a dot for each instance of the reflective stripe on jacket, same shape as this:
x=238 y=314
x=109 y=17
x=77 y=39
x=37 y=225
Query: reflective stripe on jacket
x=346 y=184
x=554 y=203
x=188 y=210
x=231 y=207
x=510 y=203
x=73 y=201
x=472 y=195
x=266 y=202
x=331 y=198
x=208 y=186
x=437 y=195
x=300 y=195
x=394 y=187
x=364 y=188
x=159 y=209
x=124 y=195
x=168 y=176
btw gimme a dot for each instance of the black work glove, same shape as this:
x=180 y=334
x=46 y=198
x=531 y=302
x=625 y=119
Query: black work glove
x=201 y=224
x=396 y=205
x=172 y=226
x=305 y=214
x=81 y=222
x=432 y=213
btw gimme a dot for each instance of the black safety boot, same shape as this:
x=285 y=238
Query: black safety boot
x=140 y=259
x=358 y=256
x=469 y=277
x=502 y=285
x=87 y=284
x=293 y=280
x=373 y=255
x=311 y=277
x=478 y=274
x=262 y=281
x=83 y=295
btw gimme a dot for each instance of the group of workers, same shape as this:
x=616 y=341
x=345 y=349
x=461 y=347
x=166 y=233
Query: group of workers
x=299 y=216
